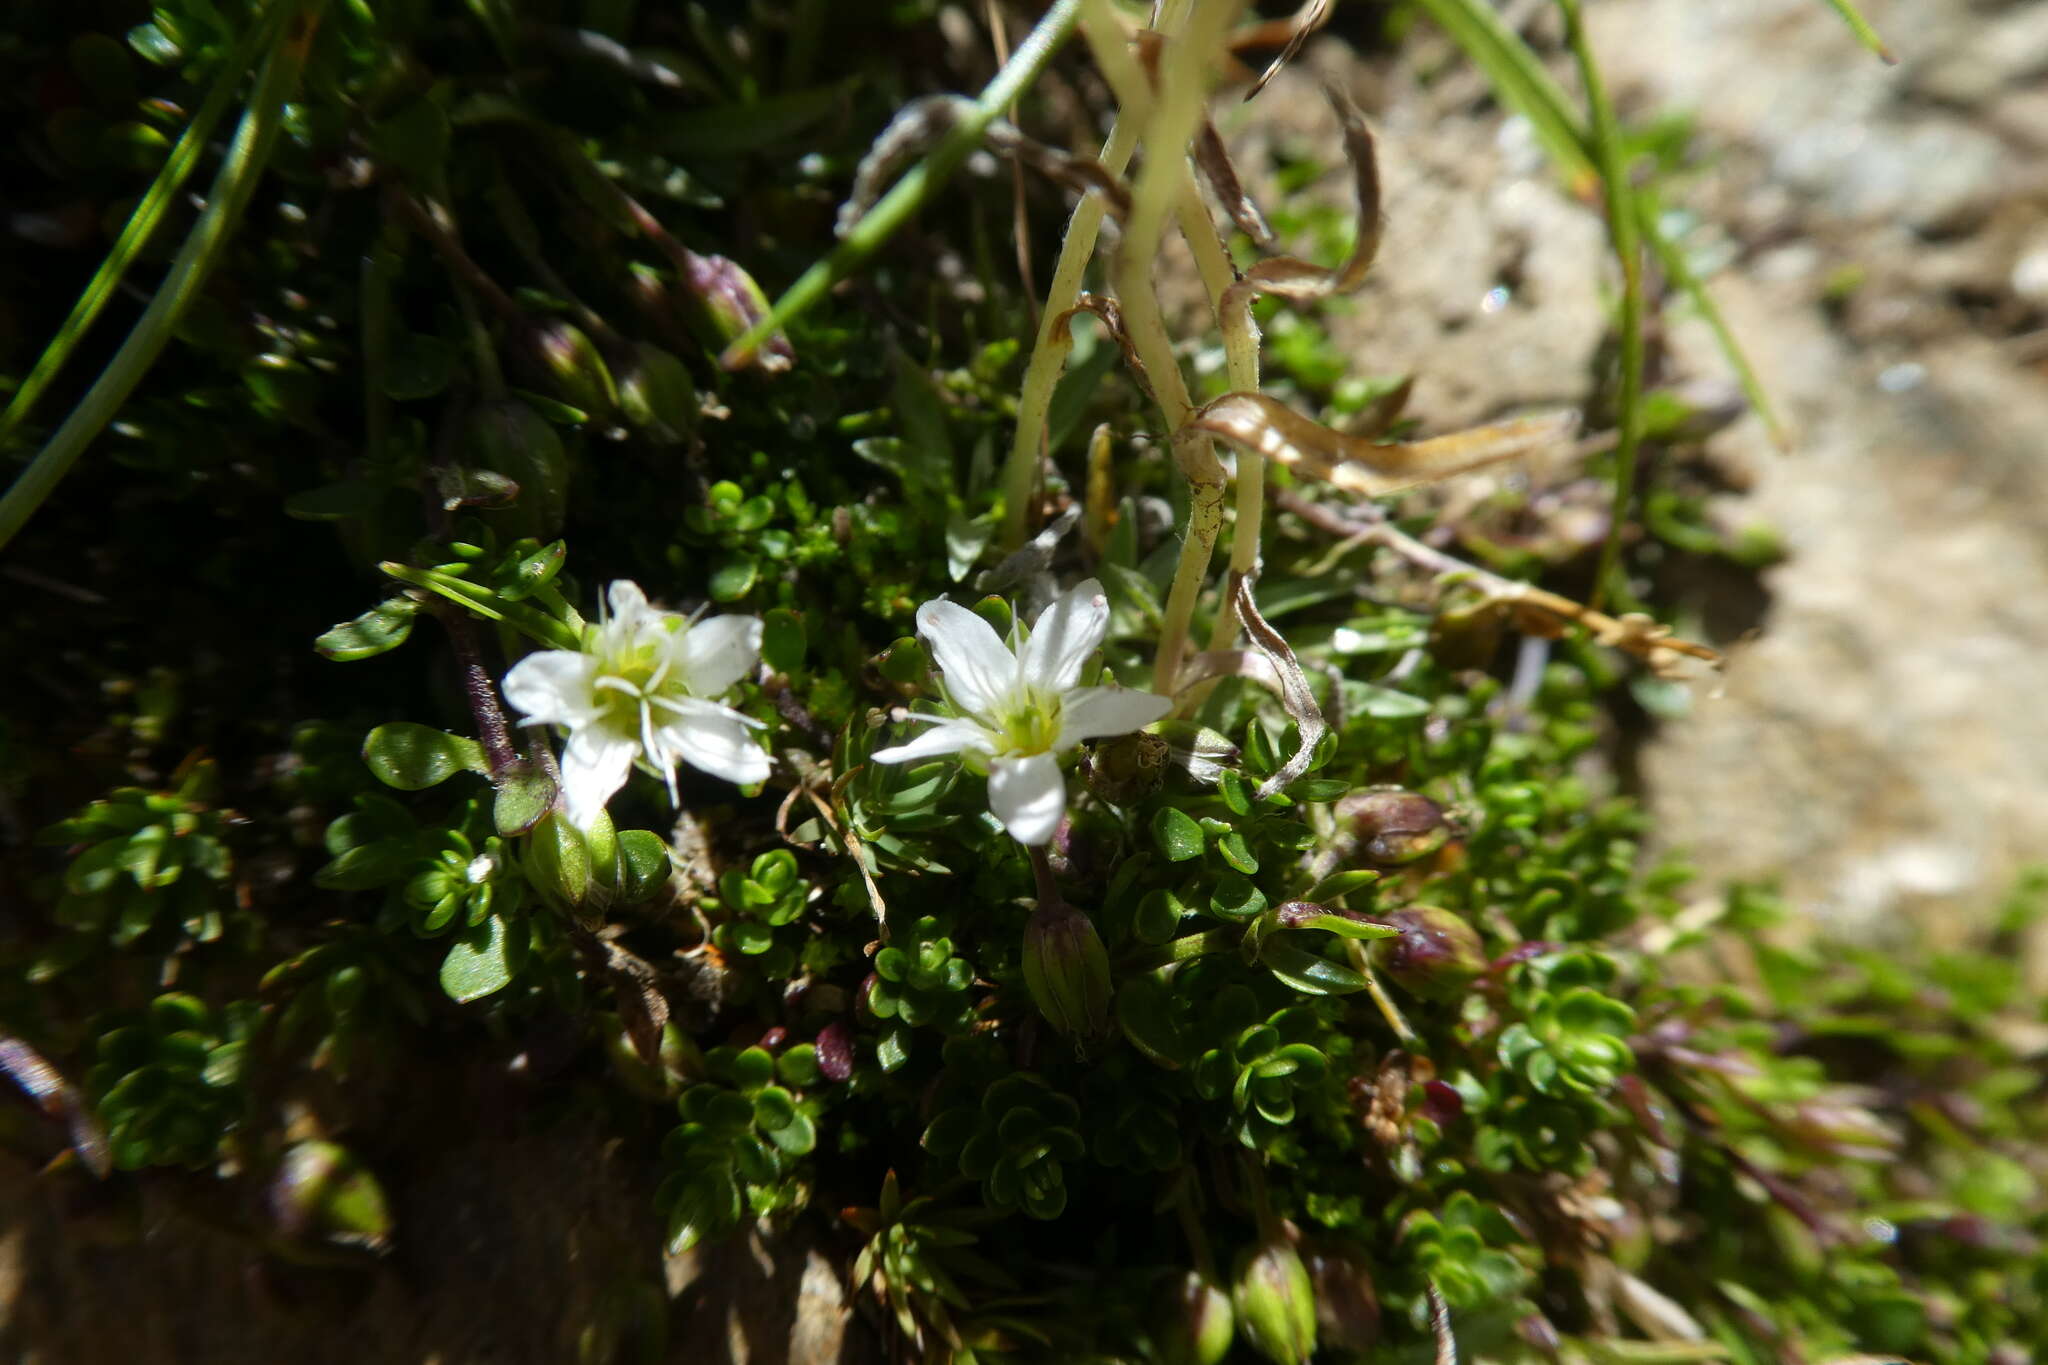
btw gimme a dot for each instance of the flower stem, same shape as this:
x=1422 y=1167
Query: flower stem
x=1182 y=85
x=491 y=728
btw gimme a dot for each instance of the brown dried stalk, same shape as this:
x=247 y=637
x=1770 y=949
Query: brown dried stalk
x=1539 y=611
x=1266 y=426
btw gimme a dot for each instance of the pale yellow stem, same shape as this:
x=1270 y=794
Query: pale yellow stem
x=1177 y=109
x=1105 y=36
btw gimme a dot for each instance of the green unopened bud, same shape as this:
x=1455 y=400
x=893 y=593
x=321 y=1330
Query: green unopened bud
x=1347 y=1307
x=1195 y=1321
x=570 y=368
x=1276 y=1302
x=1128 y=768
x=656 y=395
x=1393 y=827
x=322 y=1197
x=1067 y=969
x=1436 y=955
x=508 y=436
x=574 y=870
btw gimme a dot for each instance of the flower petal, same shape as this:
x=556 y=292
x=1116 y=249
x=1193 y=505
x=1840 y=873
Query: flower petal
x=1099 y=712
x=1067 y=632
x=715 y=739
x=554 y=687
x=717 y=653
x=946 y=737
x=1028 y=795
x=594 y=766
x=628 y=603
x=979 y=670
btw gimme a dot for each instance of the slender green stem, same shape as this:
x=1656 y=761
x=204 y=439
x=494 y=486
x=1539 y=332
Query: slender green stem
x=163 y=191
x=1622 y=224
x=202 y=250
x=919 y=183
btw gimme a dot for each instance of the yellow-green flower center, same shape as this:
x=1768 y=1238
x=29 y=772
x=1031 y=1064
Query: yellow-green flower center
x=1033 y=725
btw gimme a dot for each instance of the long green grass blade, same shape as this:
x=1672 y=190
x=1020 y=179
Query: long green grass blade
x=177 y=168
x=920 y=182
x=1519 y=78
x=1523 y=85
x=1623 y=221
x=225 y=202
x=1687 y=281
x=1865 y=34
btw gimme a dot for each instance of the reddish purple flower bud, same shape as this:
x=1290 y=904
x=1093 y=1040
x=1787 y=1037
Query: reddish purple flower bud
x=835 y=1050
x=1436 y=955
x=1393 y=827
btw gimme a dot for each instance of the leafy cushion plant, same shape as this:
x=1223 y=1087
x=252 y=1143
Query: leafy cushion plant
x=816 y=750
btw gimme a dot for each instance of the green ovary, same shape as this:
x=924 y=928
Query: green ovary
x=1033 y=726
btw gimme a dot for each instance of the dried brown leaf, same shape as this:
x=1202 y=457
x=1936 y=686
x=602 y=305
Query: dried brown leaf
x=1213 y=161
x=1265 y=426
x=1310 y=17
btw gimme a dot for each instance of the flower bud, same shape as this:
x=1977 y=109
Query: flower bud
x=1276 y=1303
x=1347 y=1308
x=1393 y=827
x=656 y=395
x=575 y=870
x=1128 y=768
x=322 y=1197
x=570 y=368
x=1436 y=955
x=1195 y=1322
x=725 y=302
x=1067 y=969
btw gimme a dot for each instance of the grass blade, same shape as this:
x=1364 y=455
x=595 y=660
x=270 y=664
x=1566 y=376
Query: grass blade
x=1865 y=34
x=202 y=249
x=919 y=182
x=1623 y=221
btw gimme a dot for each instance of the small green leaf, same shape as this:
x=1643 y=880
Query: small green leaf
x=482 y=961
x=414 y=757
x=799 y=1066
x=1306 y=972
x=1235 y=851
x=645 y=860
x=524 y=797
x=1177 y=834
x=782 y=640
x=1236 y=899
x=733 y=576
x=384 y=626
x=1145 y=1013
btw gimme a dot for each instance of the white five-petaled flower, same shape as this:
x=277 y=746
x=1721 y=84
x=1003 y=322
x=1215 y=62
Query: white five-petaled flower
x=1018 y=711
x=643 y=689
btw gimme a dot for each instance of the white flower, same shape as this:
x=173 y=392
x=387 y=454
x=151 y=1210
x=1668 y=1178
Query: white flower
x=1019 y=711
x=642 y=689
